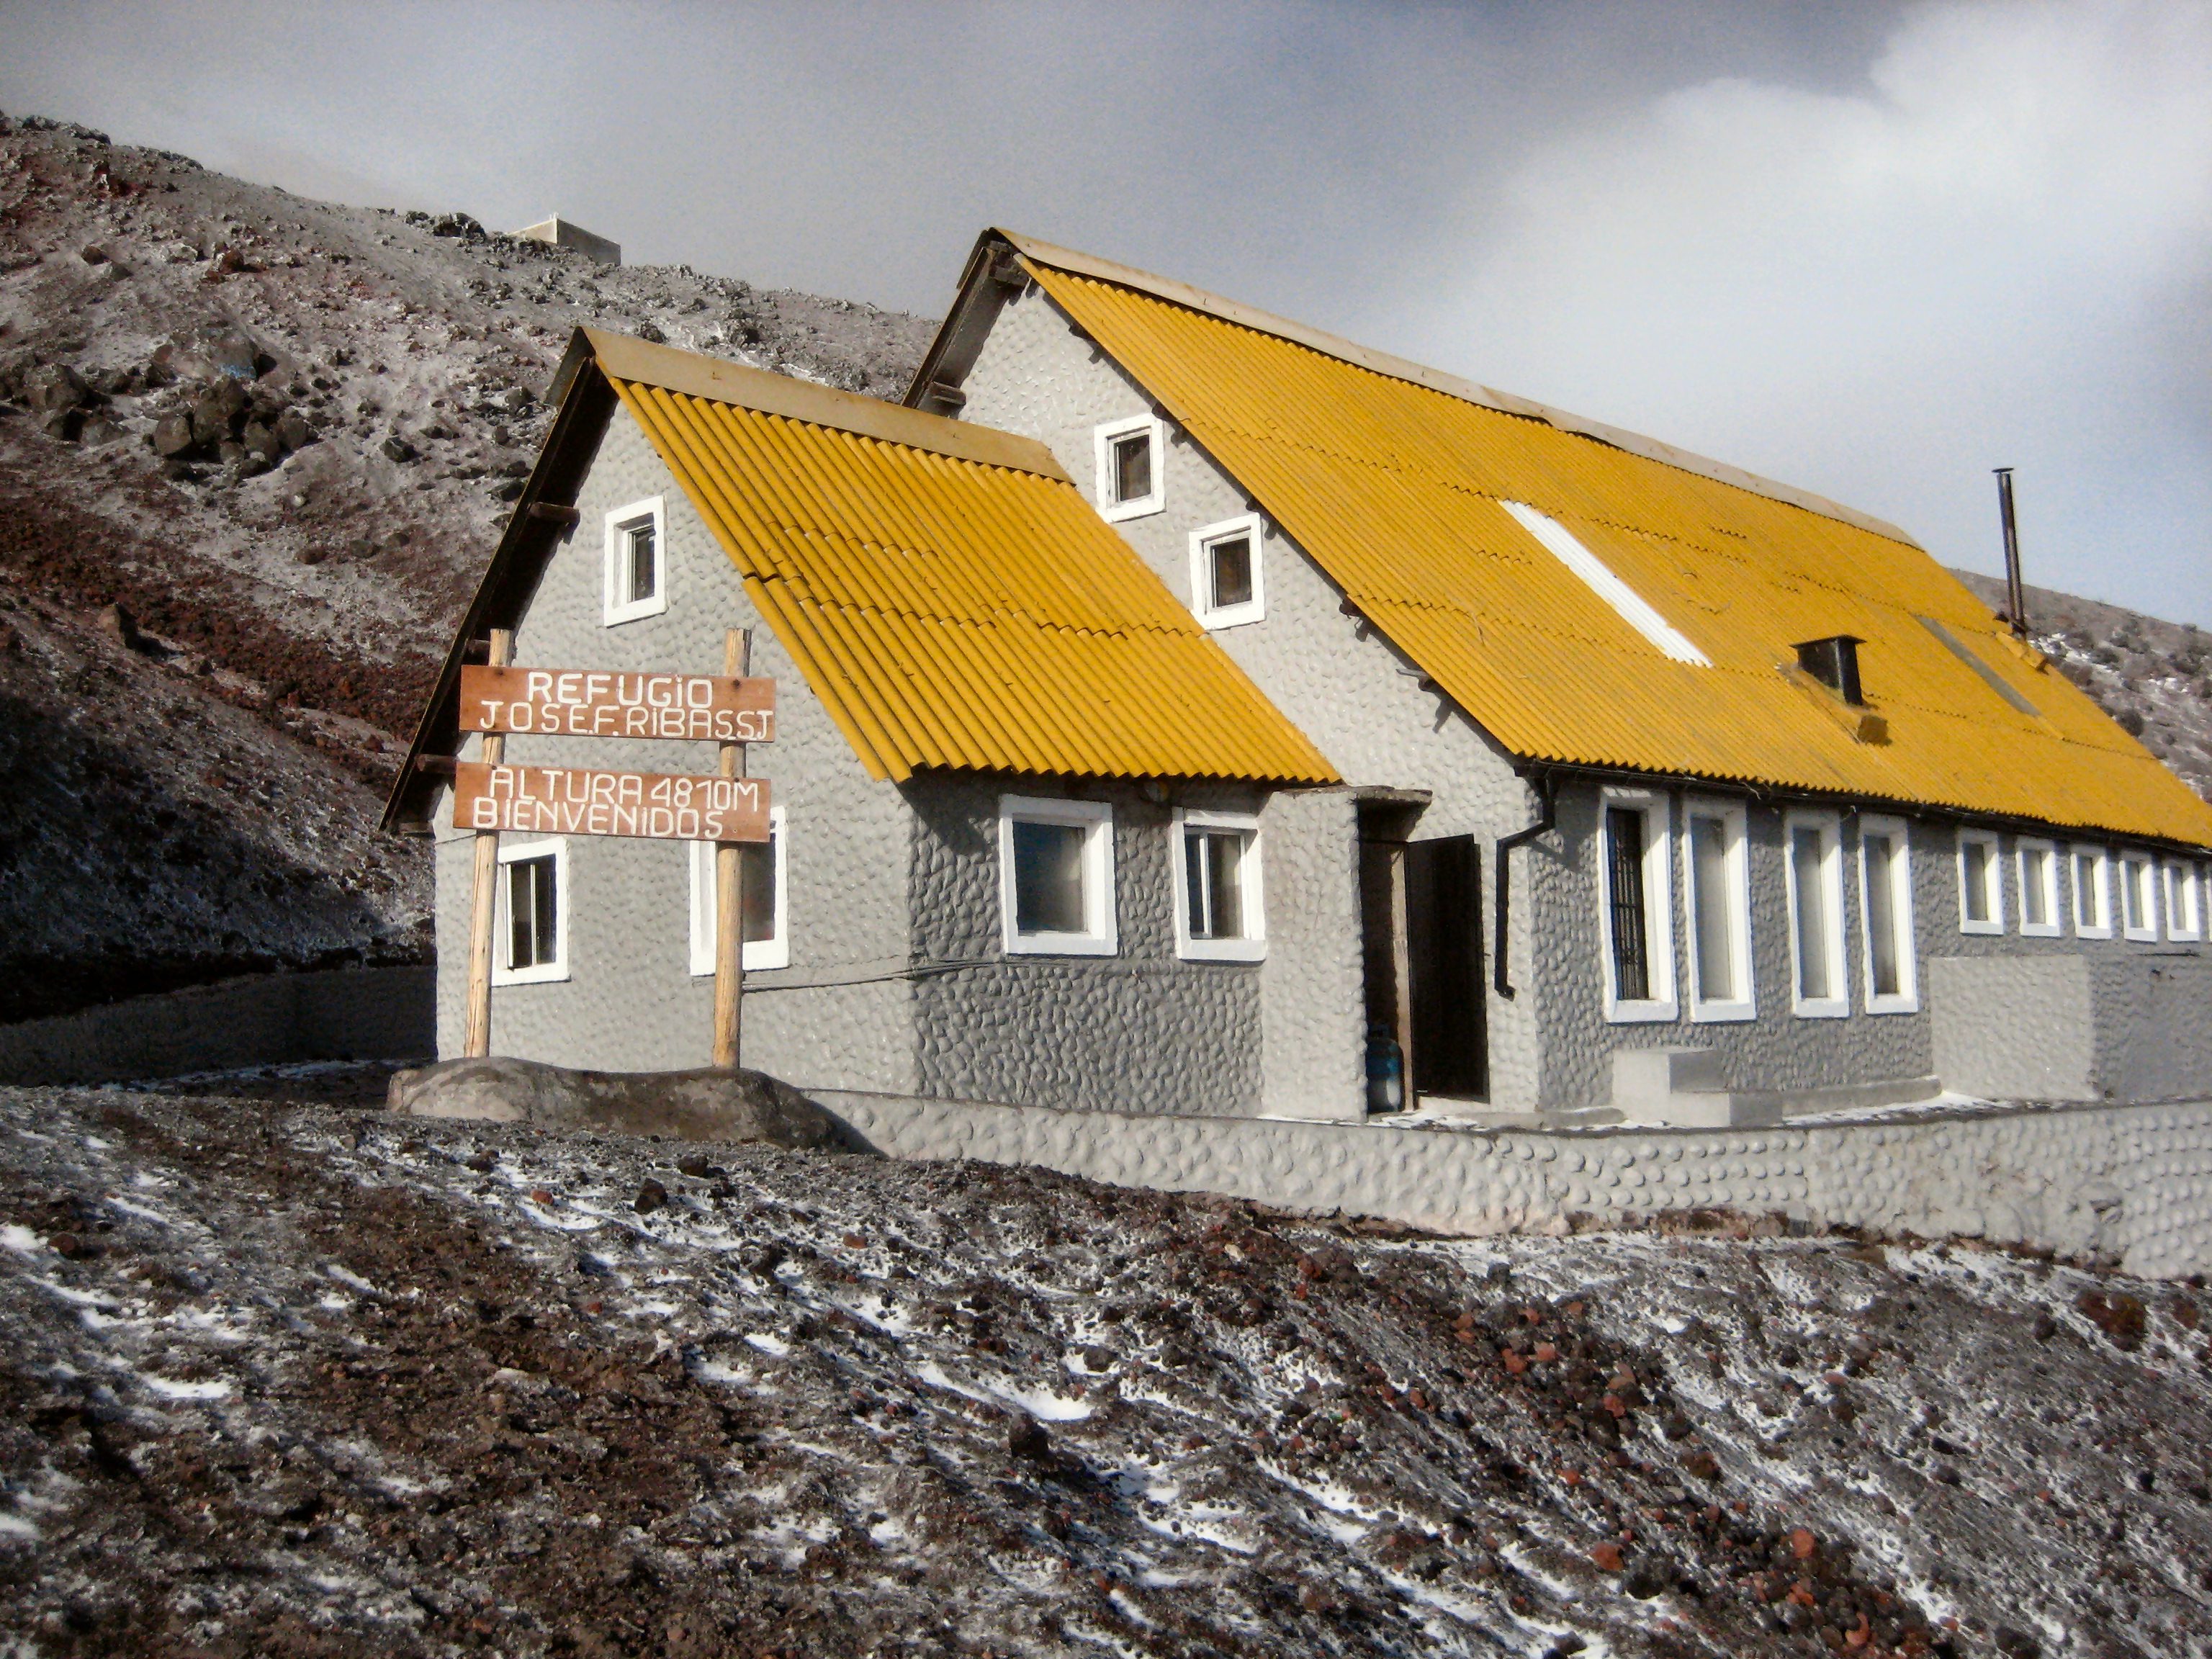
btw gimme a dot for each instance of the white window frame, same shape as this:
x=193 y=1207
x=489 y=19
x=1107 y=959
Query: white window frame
x=1705 y=1010
x=615 y=609
x=2145 y=932
x=774 y=951
x=1138 y=507
x=1995 y=865
x=2052 y=854
x=2184 y=901
x=1662 y=1005
x=1201 y=574
x=542 y=973
x=1906 y=999
x=1096 y=819
x=2100 y=866
x=1830 y=826
x=1253 y=947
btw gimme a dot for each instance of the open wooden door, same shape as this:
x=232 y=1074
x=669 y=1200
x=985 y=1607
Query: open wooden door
x=1444 y=923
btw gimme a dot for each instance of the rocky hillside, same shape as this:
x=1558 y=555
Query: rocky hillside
x=2153 y=677
x=254 y=451
x=307 y=1380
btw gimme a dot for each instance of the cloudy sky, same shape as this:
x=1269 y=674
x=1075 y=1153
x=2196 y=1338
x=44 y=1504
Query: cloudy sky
x=1874 y=249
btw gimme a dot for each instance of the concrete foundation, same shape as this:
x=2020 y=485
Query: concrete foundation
x=2133 y=1183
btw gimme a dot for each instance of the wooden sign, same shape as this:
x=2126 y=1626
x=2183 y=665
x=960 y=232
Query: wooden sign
x=591 y=702
x=574 y=800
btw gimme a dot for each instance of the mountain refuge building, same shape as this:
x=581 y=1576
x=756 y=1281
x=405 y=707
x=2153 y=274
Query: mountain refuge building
x=1184 y=711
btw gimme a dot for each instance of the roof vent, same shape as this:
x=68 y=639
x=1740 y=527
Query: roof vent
x=1834 y=662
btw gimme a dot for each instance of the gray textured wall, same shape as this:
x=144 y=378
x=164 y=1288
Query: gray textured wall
x=1140 y=1031
x=2132 y=1183
x=2131 y=1028
x=631 y=1002
x=1313 y=1027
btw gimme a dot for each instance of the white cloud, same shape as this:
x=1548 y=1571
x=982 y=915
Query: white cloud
x=1998 y=251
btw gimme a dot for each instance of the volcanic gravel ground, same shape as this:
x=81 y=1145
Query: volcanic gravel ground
x=298 y=1380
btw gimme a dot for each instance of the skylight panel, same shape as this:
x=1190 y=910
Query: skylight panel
x=1626 y=602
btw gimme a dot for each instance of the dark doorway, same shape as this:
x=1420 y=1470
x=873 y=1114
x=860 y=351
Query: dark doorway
x=1443 y=924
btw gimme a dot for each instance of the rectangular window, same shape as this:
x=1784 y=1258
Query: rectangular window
x=530 y=944
x=1636 y=907
x=2039 y=890
x=637 y=579
x=2093 y=892
x=1981 y=884
x=1130 y=454
x=1227 y=584
x=1056 y=876
x=1886 y=917
x=1219 y=916
x=1814 y=872
x=760 y=922
x=2185 y=902
x=1718 y=868
x=2138 y=896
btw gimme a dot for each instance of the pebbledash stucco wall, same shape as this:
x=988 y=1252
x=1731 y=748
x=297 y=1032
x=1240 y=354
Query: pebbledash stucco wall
x=838 y=1016
x=2129 y=1182
x=1551 y=1046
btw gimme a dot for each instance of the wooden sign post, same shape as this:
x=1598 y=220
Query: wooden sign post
x=729 y=809
x=730 y=886
x=484 y=895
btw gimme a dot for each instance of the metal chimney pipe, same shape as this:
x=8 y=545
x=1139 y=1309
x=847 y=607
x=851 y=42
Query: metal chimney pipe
x=2015 y=595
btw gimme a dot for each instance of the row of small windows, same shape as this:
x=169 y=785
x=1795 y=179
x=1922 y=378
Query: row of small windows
x=1636 y=863
x=1227 y=586
x=2146 y=896
x=1056 y=863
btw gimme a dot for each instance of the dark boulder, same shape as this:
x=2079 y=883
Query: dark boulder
x=52 y=387
x=711 y=1104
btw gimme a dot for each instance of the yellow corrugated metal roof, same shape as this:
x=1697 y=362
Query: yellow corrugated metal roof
x=947 y=593
x=1395 y=487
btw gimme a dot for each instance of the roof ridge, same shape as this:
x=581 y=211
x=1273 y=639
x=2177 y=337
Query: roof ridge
x=692 y=374
x=1435 y=379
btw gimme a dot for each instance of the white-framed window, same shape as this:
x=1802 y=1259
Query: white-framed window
x=1813 y=866
x=2091 y=868
x=1056 y=876
x=1893 y=975
x=2038 y=873
x=2184 y=901
x=1717 y=876
x=1227 y=585
x=2138 y=896
x=636 y=561
x=1220 y=910
x=530 y=941
x=1981 y=883
x=763 y=927
x=1132 y=461
x=1635 y=906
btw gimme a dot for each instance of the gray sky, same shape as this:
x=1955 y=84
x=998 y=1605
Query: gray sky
x=1874 y=249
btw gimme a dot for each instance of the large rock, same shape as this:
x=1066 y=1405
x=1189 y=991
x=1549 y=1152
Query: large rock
x=704 y=1105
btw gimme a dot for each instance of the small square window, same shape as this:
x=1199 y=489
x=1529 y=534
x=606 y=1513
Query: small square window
x=1131 y=454
x=2185 y=902
x=1219 y=916
x=636 y=582
x=2039 y=889
x=761 y=926
x=1716 y=869
x=1813 y=868
x=1227 y=584
x=1636 y=907
x=1886 y=917
x=2091 y=884
x=2138 y=896
x=1056 y=876
x=529 y=944
x=1981 y=884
